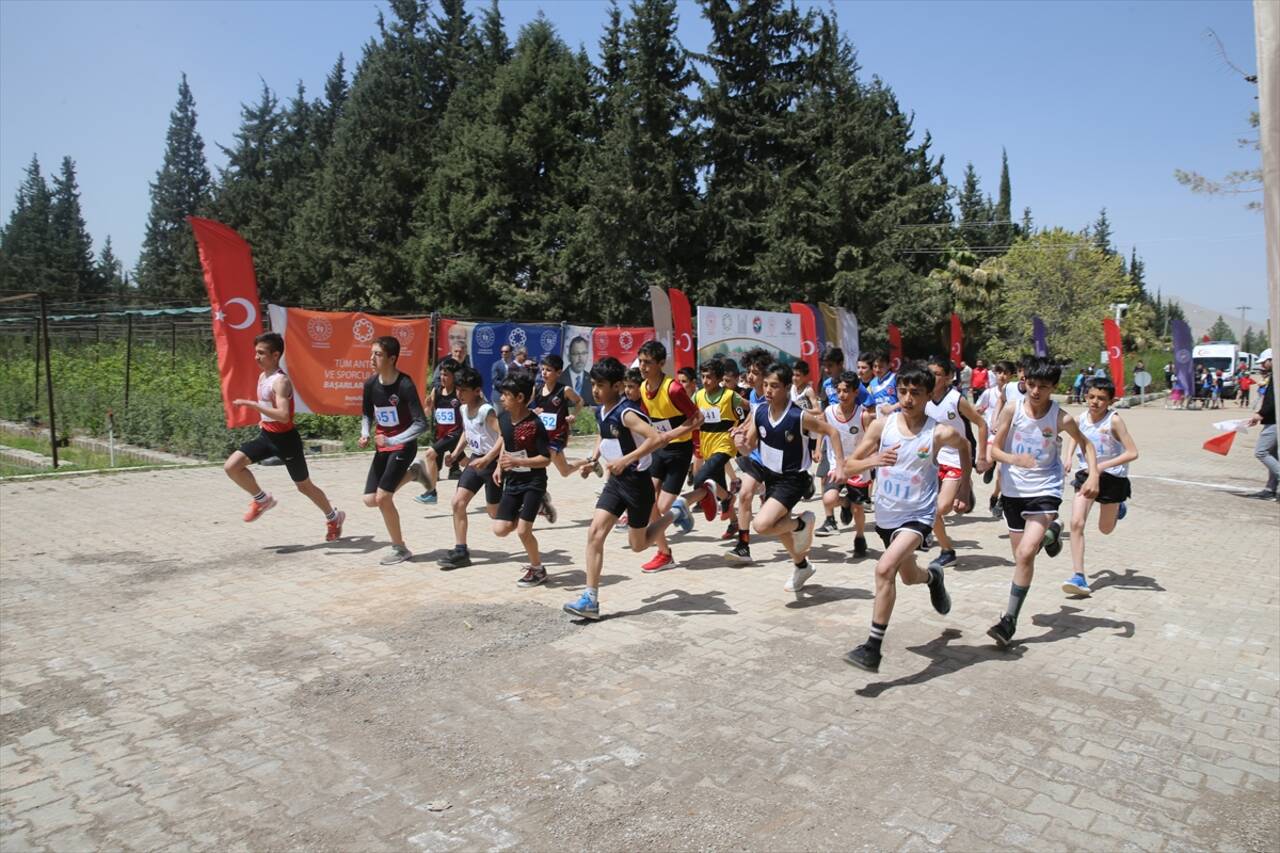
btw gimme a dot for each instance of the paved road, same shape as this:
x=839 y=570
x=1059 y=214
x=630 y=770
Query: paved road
x=173 y=678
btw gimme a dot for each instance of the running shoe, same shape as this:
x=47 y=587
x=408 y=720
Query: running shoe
x=944 y=559
x=799 y=575
x=846 y=514
x=740 y=554
x=808 y=489
x=1002 y=631
x=584 y=608
x=828 y=528
x=455 y=473
x=622 y=522
x=1053 y=540
x=547 y=511
x=730 y=532
x=683 y=518
x=997 y=507
x=659 y=562
x=859 y=546
x=455 y=558
x=989 y=475
x=333 y=529
x=1122 y=510
x=1263 y=495
x=1077 y=585
x=418 y=472
x=726 y=509
x=399 y=554
x=864 y=657
x=427 y=498
x=938 y=595
x=804 y=538
x=532 y=577
x=257 y=508
x=708 y=504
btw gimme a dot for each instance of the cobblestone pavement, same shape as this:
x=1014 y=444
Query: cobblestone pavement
x=173 y=678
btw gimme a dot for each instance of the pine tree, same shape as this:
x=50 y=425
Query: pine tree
x=168 y=266
x=1028 y=224
x=1003 y=214
x=1138 y=274
x=495 y=50
x=1101 y=233
x=1220 y=331
x=975 y=211
x=72 y=246
x=328 y=111
x=27 y=247
x=109 y=270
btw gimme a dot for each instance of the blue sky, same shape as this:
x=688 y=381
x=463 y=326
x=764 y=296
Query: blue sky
x=1096 y=102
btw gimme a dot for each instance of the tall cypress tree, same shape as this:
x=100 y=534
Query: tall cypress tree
x=1101 y=233
x=109 y=270
x=72 y=246
x=974 y=209
x=27 y=247
x=1006 y=230
x=168 y=265
x=1138 y=274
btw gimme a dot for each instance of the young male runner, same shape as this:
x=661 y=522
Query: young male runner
x=524 y=452
x=989 y=407
x=948 y=405
x=757 y=362
x=1028 y=444
x=883 y=388
x=804 y=396
x=832 y=368
x=1114 y=447
x=675 y=417
x=625 y=443
x=849 y=418
x=480 y=442
x=393 y=412
x=443 y=407
x=277 y=436
x=688 y=378
x=551 y=403
x=722 y=410
x=777 y=431
x=904 y=448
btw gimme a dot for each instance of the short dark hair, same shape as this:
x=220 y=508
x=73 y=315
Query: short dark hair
x=1042 y=370
x=467 y=377
x=274 y=340
x=802 y=366
x=849 y=378
x=608 y=370
x=579 y=339
x=912 y=375
x=518 y=382
x=757 y=357
x=780 y=370
x=867 y=357
x=1102 y=383
x=687 y=373
x=948 y=369
x=835 y=355
x=714 y=366
x=634 y=376
x=729 y=365
x=553 y=361
x=878 y=357
x=449 y=365
x=1005 y=366
x=390 y=346
x=654 y=350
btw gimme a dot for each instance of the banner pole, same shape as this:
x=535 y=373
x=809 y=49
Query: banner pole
x=48 y=375
x=128 y=356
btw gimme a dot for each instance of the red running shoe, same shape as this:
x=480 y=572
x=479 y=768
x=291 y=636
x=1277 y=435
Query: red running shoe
x=257 y=508
x=659 y=562
x=333 y=529
x=708 y=504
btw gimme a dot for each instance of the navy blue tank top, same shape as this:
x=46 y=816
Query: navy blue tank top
x=782 y=444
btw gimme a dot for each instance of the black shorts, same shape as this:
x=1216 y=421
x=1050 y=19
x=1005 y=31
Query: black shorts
x=670 y=466
x=713 y=470
x=751 y=468
x=1016 y=509
x=630 y=493
x=787 y=488
x=924 y=530
x=286 y=445
x=853 y=494
x=1111 y=489
x=522 y=503
x=388 y=468
x=474 y=479
x=445 y=445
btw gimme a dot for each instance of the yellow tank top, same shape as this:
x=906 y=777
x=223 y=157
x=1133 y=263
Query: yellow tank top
x=662 y=412
x=718 y=418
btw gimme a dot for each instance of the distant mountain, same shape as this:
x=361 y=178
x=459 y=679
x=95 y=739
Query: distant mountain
x=1201 y=318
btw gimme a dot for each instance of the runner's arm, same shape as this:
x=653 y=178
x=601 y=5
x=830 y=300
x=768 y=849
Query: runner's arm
x=653 y=439
x=1130 y=453
x=419 y=422
x=281 y=390
x=366 y=416
x=692 y=414
x=1067 y=424
x=967 y=411
x=818 y=424
x=1004 y=423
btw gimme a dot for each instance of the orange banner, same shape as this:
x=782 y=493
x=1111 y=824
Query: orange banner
x=326 y=354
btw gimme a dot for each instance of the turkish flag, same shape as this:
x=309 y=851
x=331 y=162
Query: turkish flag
x=681 y=329
x=957 y=339
x=895 y=348
x=1115 y=353
x=1220 y=444
x=237 y=316
x=808 y=336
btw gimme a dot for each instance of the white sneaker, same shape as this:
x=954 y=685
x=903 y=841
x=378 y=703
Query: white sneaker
x=799 y=576
x=804 y=538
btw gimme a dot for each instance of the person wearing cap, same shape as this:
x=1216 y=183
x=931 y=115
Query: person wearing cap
x=1265 y=450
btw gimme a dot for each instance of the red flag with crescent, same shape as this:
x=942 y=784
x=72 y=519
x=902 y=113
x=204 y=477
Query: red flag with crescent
x=1115 y=352
x=895 y=348
x=237 y=317
x=957 y=340
x=682 y=329
x=808 y=337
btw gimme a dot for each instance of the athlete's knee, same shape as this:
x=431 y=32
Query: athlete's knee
x=235 y=463
x=371 y=500
x=384 y=498
x=1077 y=526
x=885 y=571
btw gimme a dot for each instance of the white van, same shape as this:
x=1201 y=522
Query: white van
x=1215 y=356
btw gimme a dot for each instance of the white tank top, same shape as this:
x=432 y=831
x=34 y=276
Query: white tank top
x=1012 y=393
x=988 y=405
x=908 y=490
x=947 y=412
x=1105 y=444
x=1039 y=438
x=850 y=431
x=480 y=439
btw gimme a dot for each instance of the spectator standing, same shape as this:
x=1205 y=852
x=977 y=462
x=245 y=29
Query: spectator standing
x=1265 y=450
x=980 y=379
x=965 y=377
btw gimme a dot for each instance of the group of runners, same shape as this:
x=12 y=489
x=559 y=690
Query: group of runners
x=739 y=441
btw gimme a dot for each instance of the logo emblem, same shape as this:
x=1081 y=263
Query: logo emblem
x=756 y=325
x=727 y=321
x=763 y=432
x=922 y=452
x=548 y=340
x=602 y=344
x=1183 y=356
x=404 y=334
x=625 y=340
x=789 y=436
x=517 y=338
x=484 y=337
x=319 y=329
x=951 y=416
x=362 y=330
x=394 y=399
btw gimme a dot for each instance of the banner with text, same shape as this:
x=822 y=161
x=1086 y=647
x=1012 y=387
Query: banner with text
x=733 y=331
x=487 y=340
x=326 y=354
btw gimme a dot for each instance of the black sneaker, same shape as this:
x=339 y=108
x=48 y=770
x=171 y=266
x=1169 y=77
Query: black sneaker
x=828 y=528
x=846 y=514
x=730 y=532
x=1002 y=631
x=997 y=507
x=1053 y=540
x=740 y=553
x=938 y=595
x=808 y=489
x=944 y=559
x=532 y=577
x=864 y=657
x=455 y=473
x=1262 y=494
x=859 y=546
x=989 y=475
x=455 y=559
x=548 y=511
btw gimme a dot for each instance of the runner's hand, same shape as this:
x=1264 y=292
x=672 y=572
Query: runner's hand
x=249 y=403
x=1024 y=460
x=1090 y=488
x=888 y=457
x=617 y=467
x=363 y=442
x=380 y=440
x=505 y=461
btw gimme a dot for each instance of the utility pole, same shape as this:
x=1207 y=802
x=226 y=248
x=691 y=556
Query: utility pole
x=1242 y=309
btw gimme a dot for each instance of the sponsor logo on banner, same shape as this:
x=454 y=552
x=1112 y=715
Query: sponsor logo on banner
x=786 y=325
x=362 y=330
x=727 y=321
x=320 y=331
x=772 y=325
x=517 y=338
x=484 y=337
x=548 y=341
x=404 y=334
x=1183 y=356
x=625 y=340
x=756 y=325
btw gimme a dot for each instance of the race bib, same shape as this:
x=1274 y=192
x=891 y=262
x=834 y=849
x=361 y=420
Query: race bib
x=474 y=444
x=445 y=416
x=711 y=416
x=771 y=457
x=662 y=425
x=895 y=483
x=549 y=420
x=1030 y=442
x=386 y=416
x=519 y=454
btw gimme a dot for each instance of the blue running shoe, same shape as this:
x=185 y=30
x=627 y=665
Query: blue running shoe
x=1077 y=586
x=1122 y=511
x=585 y=607
x=683 y=519
x=426 y=498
